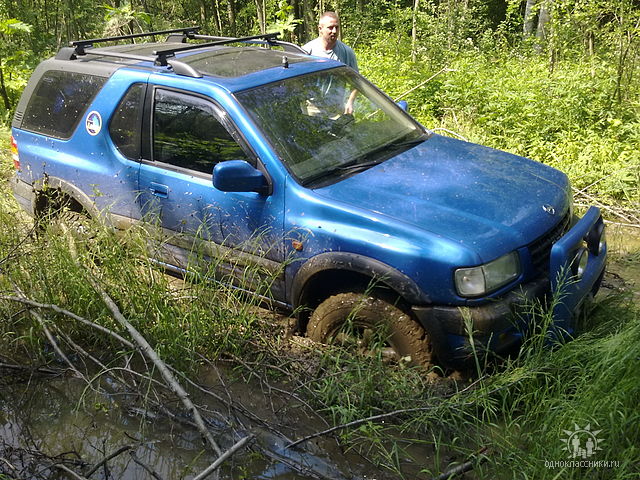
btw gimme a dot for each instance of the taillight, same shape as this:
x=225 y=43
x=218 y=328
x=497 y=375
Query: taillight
x=14 y=153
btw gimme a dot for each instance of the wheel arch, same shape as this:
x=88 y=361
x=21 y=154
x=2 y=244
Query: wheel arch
x=53 y=194
x=334 y=272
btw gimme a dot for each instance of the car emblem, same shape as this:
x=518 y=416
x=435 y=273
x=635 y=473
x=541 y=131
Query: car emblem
x=549 y=209
x=94 y=123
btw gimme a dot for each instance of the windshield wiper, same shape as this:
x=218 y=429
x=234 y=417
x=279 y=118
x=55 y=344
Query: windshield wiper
x=355 y=166
x=392 y=146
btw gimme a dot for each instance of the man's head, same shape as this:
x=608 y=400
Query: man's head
x=329 y=28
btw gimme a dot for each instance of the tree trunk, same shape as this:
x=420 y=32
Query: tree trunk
x=310 y=22
x=231 y=11
x=261 y=13
x=3 y=91
x=529 y=17
x=544 y=17
x=414 y=29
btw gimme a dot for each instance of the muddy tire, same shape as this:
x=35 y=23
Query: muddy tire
x=367 y=324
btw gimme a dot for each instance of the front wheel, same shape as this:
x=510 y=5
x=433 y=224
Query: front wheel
x=369 y=325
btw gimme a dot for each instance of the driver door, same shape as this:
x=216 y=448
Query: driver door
x=202 y=227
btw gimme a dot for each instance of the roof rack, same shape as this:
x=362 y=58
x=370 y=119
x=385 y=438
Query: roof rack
x=165 y=57
x=268 y=39
x=80 y=45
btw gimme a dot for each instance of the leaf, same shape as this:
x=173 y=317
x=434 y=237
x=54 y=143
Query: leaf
x=14 y=25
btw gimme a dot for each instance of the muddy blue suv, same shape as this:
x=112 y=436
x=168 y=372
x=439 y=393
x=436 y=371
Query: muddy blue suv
x=241 y=152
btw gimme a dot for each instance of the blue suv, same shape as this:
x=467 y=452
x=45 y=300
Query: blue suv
x=374 y=230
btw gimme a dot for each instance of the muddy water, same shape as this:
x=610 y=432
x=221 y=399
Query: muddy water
x=48 y=418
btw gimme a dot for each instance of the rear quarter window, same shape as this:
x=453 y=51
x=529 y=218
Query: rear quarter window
x=126 y=122
x=59 y=101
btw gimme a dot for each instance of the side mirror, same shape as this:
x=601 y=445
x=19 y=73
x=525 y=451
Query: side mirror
x=238 y=176
x=403 y=105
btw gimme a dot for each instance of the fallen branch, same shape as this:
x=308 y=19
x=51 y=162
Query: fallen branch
x=374 y=418
x=162 y=368
x=107 y=458
x=442 y=70
x=622 y=224
x=57 y=309
x=464 y=467
x=149 y=470
x=601 y=205
x=212 y=468
x=54 y=344
x=42 y=370
x=451 y=132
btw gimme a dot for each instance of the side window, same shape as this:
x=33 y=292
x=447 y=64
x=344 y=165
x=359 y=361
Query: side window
x=188 y=134
x=59 y=101
x=126 y=122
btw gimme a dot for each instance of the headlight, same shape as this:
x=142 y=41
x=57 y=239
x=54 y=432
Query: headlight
x=475 y=281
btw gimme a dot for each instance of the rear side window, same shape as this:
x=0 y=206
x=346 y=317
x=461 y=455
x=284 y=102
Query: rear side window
x=59 y=101
x=126 y=122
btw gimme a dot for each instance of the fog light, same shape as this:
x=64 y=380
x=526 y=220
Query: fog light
x=596 y=238
x=579 y=263
x=603 y=241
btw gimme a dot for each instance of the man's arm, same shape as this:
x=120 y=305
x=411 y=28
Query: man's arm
x=348 y=108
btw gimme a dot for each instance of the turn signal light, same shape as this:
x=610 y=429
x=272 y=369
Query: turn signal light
x=14 y=153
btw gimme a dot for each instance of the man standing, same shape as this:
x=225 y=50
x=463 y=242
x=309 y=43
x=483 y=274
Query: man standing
x=327 y=45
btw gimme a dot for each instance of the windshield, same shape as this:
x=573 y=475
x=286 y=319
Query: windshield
x=330 y=123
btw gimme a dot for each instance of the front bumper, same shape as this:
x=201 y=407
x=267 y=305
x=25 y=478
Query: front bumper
x=459 y=332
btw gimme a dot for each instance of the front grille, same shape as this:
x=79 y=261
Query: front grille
x=540 y=249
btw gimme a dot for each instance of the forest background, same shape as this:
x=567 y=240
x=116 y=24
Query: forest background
x=554 y=80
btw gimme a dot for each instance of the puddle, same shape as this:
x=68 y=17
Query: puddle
x=55 y=419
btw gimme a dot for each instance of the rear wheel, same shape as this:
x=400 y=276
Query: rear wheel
x=370 y=325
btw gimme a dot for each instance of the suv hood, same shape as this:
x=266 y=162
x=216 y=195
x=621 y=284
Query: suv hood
x=489 y=200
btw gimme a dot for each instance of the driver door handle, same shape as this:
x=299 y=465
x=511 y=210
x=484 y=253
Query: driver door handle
x=159 y=190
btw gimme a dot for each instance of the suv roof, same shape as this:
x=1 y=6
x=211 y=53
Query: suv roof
x=231 y=67
x=214 y=57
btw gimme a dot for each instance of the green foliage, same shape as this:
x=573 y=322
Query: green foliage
x=286 y=21
x=568 y=118
x=14 y=62
x=125 y=19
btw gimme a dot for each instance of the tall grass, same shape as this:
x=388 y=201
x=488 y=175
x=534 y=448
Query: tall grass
x=567 y=118
x=180 y=318
x=520 y=410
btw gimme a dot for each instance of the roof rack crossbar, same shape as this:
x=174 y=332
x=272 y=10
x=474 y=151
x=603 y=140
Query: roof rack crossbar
x=290 y=47
x=179 y=67
x=163 y=54
x=80 y=45
x=105 y=53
